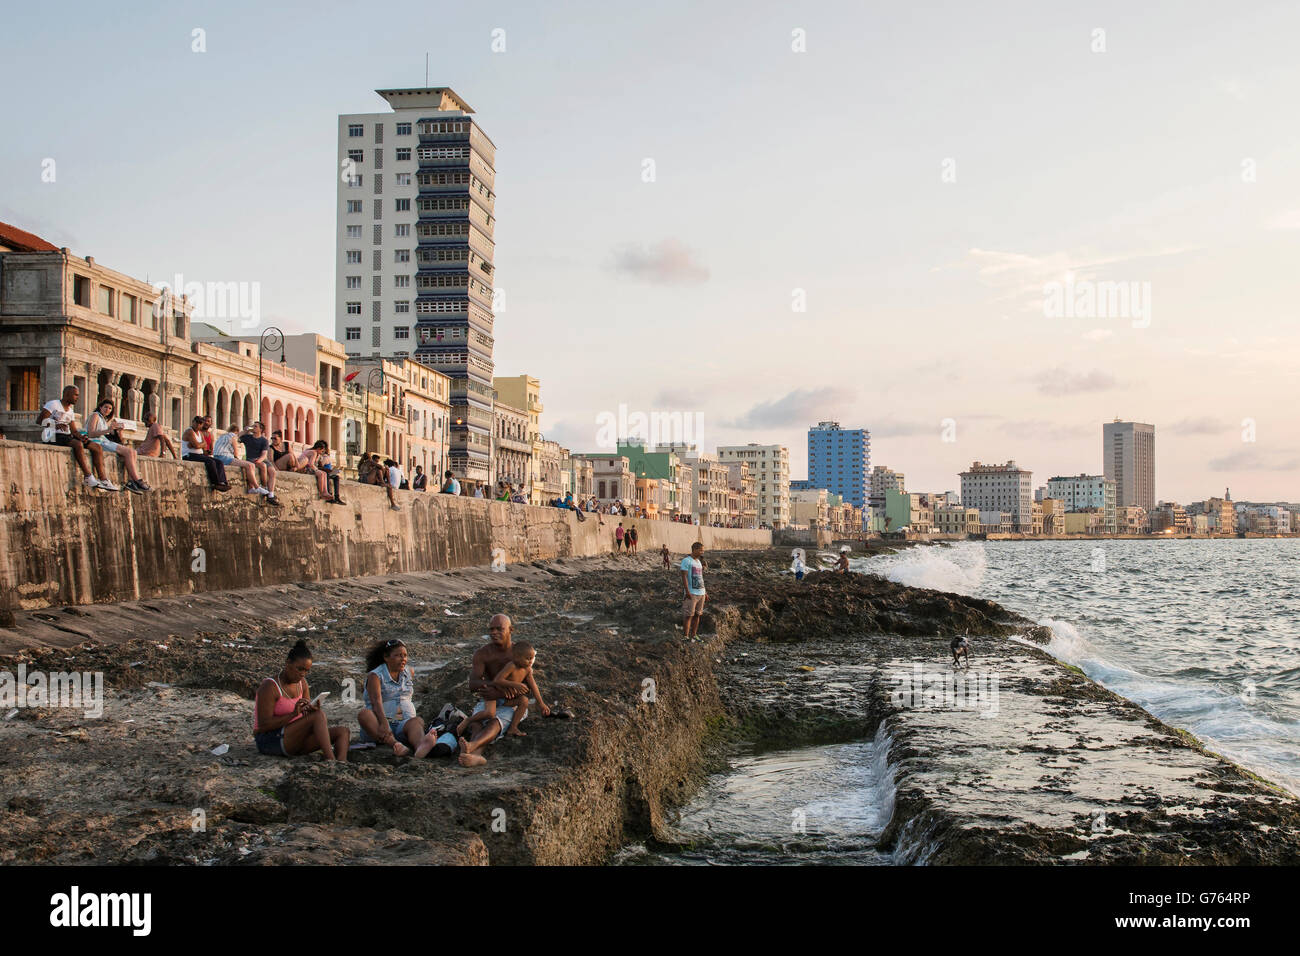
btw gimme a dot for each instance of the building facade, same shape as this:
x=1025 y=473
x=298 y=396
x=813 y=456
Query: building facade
x=1128 y=454
x=1000 y=488
x=65 y=320
x=839 y=460
x=512 y=448
x=414 y=256
x=1086 y=492
x=770 y=465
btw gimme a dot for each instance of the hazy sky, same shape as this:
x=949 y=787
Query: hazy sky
x=920 y=171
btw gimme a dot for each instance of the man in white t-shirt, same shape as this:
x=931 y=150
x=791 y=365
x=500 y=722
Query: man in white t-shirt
x=692 y=569
x=394 y=482
x=59 y=419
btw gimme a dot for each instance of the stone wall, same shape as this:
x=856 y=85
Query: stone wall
x=61 y=543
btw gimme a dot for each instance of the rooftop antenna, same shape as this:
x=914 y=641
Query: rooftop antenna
x=426 y=71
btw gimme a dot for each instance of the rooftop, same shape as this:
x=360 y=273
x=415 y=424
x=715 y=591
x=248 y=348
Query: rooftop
x=14 y=239
x=429 y=97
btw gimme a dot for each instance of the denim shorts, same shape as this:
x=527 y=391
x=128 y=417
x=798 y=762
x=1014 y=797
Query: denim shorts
x=395 y=725
x=271 y=743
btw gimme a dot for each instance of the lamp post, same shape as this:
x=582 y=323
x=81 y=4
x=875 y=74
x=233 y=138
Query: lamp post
x=271 y=338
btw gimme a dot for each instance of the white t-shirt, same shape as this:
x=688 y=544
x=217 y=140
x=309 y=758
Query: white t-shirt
x=395 y=476
x=694 y=574
x=64 y=418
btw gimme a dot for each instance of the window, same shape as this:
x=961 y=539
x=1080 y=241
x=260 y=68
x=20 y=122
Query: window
x=404 y=154
x=403 y=205
x=105 y=300
x=356 y=129
x=401 y=255
x=81 y=291
x=25 y=388
x=354 y=308
x=402 y=306
x=354 y=257
x=402 y=332
x=353 y=181
x=403 y=129
x=402 y=230
x=354 y=205
x=353 y=232
x=402 y=179
x=354 y=282
x=130 y=309
x=401 y=282
x=357 y=155
x=353 y=334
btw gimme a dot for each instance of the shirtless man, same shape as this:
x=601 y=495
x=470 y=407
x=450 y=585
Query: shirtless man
x=487 y=663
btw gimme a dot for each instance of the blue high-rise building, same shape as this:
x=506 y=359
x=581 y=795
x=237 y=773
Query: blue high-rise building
x=839 y=460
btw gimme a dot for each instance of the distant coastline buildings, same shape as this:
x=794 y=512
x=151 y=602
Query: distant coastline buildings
x=839 y=460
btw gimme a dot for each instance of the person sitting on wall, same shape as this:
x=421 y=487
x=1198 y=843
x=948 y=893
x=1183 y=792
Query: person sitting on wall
x=257 y=450
x=225 y=451
x=103 y=429
x=192 y=450
x=450 y=486
x=280 y=454
x=395 y=481
x=155 y=440
x=421 y=481
x=59 y=421
x=285 y=726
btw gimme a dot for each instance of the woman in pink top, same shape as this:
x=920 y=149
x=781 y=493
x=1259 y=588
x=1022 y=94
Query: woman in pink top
x=286 y=723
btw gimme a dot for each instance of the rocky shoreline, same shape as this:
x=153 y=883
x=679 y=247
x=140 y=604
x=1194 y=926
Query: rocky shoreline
x=1063 y=771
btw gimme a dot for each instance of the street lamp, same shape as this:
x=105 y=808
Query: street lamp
x=271 y=338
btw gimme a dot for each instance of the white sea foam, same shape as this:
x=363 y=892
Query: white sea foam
x=959 y=569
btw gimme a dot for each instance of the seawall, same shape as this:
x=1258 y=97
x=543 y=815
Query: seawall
x=61 y=543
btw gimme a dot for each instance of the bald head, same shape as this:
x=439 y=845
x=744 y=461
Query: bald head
x=499 y=631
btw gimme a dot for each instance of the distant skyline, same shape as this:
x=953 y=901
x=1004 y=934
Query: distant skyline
x=933 y=180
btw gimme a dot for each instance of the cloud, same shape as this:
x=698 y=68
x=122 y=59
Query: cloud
x=1061 y=381
x=1253 y=458
x=800 y=407
x=1037 y=429
x=1198 y=426
x=668 y=261
x=902 y=429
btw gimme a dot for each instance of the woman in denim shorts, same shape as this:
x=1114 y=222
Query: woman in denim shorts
x=389 y=716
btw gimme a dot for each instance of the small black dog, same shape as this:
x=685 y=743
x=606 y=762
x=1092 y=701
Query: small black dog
x=960 y=648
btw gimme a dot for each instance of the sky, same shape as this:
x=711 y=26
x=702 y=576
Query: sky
x=889 y=215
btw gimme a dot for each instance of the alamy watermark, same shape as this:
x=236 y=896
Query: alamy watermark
x=656 y=429
x=1086 y=299
x=73 y=690
x=945 y=690
x=230 y=301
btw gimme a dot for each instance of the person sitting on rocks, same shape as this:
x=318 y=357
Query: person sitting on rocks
x=389 y=716
x=518 y=671
x=287 y=726
x=491 y=658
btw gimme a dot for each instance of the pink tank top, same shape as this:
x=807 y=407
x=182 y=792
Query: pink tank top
x=284 y=705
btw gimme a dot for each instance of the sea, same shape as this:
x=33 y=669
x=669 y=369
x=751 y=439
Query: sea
x=1204 y=634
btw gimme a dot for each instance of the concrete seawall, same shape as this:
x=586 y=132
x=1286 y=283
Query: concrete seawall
x=61 y=543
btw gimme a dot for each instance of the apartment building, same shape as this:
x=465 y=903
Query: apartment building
x=770 y=465
x=414 y=266
x=1128 y=454
x=839 y=460
x=1087 y=492
x=1000 y=488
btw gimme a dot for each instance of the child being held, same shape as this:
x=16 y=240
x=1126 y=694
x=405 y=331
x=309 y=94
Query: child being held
x=519 y=670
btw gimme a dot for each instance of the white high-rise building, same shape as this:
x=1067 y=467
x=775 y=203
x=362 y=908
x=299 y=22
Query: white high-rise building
x=770 y=466
x=414 y=262
x=1128 y=454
